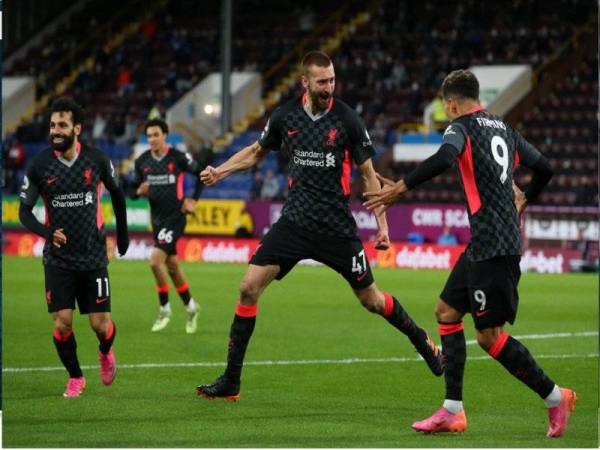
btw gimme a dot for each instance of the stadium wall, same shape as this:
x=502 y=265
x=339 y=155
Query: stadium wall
x=231 y=250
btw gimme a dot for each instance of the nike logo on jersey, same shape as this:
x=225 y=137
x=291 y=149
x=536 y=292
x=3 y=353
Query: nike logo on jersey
x=481 y=313
x=360 y=277
x=101 y=300
x=293 y=132
x=146 y=169
x=51 y=180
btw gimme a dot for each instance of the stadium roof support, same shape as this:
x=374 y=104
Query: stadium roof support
x=226 y=7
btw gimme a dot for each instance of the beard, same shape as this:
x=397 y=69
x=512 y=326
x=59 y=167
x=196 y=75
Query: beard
x=66 y=143
x=319 y=100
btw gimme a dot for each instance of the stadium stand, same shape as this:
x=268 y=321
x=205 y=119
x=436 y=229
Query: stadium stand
x=388 y=70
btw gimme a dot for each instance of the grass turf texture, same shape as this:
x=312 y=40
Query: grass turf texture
x=311 y=315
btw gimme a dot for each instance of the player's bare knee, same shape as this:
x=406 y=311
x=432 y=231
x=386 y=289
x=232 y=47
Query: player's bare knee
x=249 y=292
x=444 y=313
x=155 y=266
x=172 y=266
x=369 y=299
x=486 y=339
x=62 y=326
x=100 y=324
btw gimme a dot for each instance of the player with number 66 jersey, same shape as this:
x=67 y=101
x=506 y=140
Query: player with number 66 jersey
x=159 y=175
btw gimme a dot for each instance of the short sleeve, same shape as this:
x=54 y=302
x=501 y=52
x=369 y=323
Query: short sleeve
x=456 y=136
x=108 y=174
x=186 y=162
x=270 y=138
x=361 y=147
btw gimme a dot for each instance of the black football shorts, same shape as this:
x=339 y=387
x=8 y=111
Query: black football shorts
x=285 y=244
x=487 y=289
x=166 y=234
x=90 y=289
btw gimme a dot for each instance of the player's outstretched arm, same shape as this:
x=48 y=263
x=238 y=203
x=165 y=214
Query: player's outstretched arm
x=428 y=169
x=389 y=193
x=242 y=160
x=370 y=183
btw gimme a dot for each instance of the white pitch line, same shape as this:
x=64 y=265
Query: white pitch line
x=323 y=361
x=301 y=362
x=547 y=336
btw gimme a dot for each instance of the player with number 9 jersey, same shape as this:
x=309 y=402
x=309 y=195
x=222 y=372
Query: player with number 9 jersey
x=486 y=151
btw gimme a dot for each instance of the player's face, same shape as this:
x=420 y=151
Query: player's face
x=62 y=131
x=451 y=108
x=320 y=83
x=156 y=138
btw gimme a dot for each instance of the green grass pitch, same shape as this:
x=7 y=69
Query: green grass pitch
x=303 y=388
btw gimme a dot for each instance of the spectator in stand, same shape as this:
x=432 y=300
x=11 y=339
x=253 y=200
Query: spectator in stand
x=586 y=191
x=99 y=126
x=129 y=133
x=116 y=128
x=256 y=186
x=156 y=111
x=13 y=163
x=124 y=83
x=149 y=29
x=447 y=238
x=270 y=186
x=434 y=116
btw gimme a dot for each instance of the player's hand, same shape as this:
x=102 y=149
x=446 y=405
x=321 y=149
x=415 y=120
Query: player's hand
x=122 y=244
x=58 y=238
x=389 y=193
x=143 y=189
x=188 y=206
x=520 y=200
x=382 y=240
x=209 y=176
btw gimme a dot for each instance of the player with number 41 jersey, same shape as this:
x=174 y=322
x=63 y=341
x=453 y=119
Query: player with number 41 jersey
x=324 y=138
x=486 y=151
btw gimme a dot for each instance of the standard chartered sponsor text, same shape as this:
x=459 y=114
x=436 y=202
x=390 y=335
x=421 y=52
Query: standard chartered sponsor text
x=309 y=158
x=161 y=179
x=70 y=200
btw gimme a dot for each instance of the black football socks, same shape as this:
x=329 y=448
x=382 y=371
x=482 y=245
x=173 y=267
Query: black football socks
x=454 y=351
x=515 y=357
x=239 y=336
x=66 y=346
x=106 y=342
